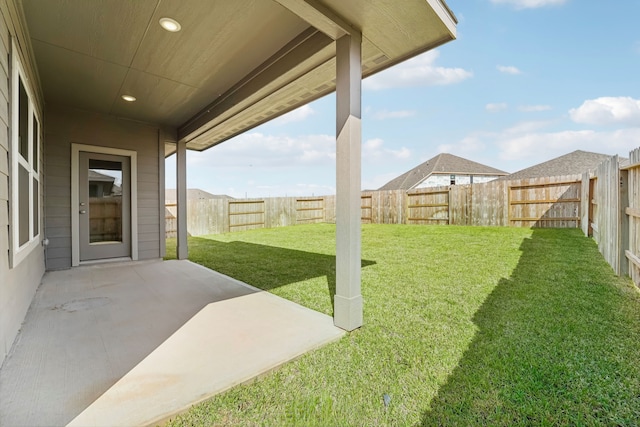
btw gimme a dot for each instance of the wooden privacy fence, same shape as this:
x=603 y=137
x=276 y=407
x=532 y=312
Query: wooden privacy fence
x=428 y=207
x=613 y=211
x=605 y=204
x=246 y=214
x=633 y=214
x=541 y=202
x=310 y=210
x=105 y=219
x=545 y=204
x=216 y=216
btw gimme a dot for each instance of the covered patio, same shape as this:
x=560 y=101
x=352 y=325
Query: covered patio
x=134 y=343
x=115 y=87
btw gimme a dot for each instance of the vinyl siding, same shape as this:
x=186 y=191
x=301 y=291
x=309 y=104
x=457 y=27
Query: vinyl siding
x=66 y=126
x=17 y=284
x=438 y=180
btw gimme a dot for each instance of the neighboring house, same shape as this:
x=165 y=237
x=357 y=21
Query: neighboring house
x=119 y=85
x=101 y=185
x=574 y=163
x=170 y=195
x=444 y=169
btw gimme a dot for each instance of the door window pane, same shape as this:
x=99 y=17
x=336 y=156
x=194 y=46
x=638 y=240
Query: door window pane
x=105 y=201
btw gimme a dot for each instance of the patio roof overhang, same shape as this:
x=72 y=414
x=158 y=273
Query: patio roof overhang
x=233 y=66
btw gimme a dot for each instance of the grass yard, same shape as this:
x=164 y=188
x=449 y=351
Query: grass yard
x=462 y=326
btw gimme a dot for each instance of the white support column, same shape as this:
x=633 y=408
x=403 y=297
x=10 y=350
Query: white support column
x=348 y=299
x=181 y=196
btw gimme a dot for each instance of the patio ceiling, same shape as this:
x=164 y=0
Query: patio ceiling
x=234 y=64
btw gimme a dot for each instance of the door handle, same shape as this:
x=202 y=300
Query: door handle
x=83 y=212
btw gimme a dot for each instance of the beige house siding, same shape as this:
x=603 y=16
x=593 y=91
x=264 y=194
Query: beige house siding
x=17 y=284
x=66 y=126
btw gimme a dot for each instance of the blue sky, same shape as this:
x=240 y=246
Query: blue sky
x=526 y=81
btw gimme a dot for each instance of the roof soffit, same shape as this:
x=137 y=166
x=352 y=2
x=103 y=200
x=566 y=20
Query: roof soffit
x=430 y=25
x=243 y=60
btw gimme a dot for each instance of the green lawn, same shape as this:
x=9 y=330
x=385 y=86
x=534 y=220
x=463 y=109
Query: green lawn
x=462 y=326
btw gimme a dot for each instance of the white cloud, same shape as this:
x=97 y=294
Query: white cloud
x=621 y=110
x=543 y=145
x=470 y=144
x=257 y=150
x=495 y=107
x=508 y=69
x=373 y=149
x=530 y=4
x=293 y=189
x=526 y=127
x=384 y=114
x=534 y=108
x=290 y=189
x=537 y=147
x=418 y=71
x=297 y=115
x=531 y=142
x=377 y=181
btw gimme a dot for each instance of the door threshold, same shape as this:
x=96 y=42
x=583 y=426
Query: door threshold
x=105 y=261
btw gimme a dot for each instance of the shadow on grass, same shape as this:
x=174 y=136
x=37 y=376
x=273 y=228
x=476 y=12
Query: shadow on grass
x=554 y=345
x=262 y=266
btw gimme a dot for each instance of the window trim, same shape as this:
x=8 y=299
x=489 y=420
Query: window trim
x=32 y=164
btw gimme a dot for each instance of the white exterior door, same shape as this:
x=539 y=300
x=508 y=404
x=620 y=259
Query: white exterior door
x=104 y=206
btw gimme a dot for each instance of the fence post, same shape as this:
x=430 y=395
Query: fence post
x=584 y=204
x=623 y=230
x=450 y=205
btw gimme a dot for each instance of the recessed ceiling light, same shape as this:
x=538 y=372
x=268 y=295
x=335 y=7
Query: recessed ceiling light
x=129 y=98
x=170 y=25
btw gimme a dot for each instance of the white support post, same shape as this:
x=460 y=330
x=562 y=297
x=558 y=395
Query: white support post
x=181 y=196
x=348 y=299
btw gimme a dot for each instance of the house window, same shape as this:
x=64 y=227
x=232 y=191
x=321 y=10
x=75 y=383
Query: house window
x=25 y=165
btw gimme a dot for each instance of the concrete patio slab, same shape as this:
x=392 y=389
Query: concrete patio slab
x=134 y=343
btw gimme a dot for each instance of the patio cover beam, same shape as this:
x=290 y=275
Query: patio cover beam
x=182 y=251
x=348 y=299
x=318 y=16
x=296 y=58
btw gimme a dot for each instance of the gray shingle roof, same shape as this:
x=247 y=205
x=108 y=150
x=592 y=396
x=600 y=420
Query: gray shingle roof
x=97 y=176
x=194 y=194
x=573 y=163
x=443 y=163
